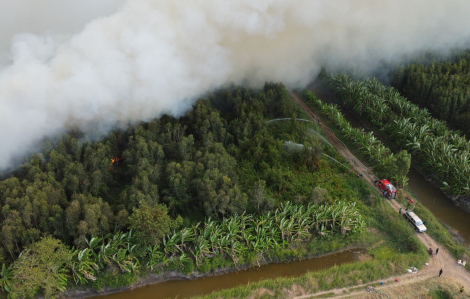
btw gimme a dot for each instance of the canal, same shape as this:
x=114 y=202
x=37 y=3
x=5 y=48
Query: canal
x=426 y=193
x=430 y=196
x=201 y=286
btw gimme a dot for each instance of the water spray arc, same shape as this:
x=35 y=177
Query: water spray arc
x=313 y=131
x=157 y=57
x=298 y=146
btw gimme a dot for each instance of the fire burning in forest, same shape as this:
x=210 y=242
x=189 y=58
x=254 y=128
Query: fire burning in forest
x=114 y=162
x=155 y=57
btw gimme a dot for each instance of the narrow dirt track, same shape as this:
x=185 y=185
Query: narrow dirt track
x=443 y=260
x=338 y=144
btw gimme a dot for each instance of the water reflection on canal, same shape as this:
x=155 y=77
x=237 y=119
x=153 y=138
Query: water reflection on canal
x=442 y=207
x=431 y=197
x=202 y=286
x=427 y=194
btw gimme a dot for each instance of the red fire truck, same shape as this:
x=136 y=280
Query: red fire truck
x=388 y=190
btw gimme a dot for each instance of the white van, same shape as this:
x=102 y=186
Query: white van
x=415 y=221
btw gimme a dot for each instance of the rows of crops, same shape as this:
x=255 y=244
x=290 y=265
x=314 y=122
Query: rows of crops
x=442 y=152
x=234 y=237
x=386 y=163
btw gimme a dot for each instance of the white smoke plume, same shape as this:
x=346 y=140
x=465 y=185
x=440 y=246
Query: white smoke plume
x=157 y=56
x=53 y=16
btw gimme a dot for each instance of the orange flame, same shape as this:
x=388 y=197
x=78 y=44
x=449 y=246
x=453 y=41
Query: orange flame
x=113 y=160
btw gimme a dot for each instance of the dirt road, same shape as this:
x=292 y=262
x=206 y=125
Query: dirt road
x=443 y=260
x=337 y=143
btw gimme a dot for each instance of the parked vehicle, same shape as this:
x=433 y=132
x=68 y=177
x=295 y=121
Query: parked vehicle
x=388 y=190
x=415 y=221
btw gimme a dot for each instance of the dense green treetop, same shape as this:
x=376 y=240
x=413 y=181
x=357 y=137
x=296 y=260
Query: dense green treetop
x=76 y=188
x=215 y=185
x=441 y=86
x=40 y=268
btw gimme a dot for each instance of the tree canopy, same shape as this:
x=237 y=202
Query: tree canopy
x=164 y=192
x=40 y=269
x=440 y=85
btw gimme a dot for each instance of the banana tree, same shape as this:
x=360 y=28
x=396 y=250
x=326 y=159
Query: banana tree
x=124 y=261
x=201 y=248
x=83 y=266
x=156 y=257
x=185 y=235
x=5 y=279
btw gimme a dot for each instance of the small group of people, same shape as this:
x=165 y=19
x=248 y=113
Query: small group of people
x=431 y=252
x=459 y=262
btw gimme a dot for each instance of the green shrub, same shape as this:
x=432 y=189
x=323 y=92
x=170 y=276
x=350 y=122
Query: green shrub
x=205 y=266
x=112 y=280
x=188 y=267
x=440 y=293
x=220 y=262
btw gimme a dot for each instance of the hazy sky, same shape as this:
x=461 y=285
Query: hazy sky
x=54 y=16
x=147 y=57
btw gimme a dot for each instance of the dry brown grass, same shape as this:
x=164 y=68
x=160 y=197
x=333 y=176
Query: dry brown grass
x=419 y=289
x=259 y=293
x=294 y=291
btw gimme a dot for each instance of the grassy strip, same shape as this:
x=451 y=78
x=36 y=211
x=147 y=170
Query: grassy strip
x=435 y=228
x=441 y=151
x=335 y=277
x=298 y=181
x=401 y=251
x=314 y=247
x=389 y=258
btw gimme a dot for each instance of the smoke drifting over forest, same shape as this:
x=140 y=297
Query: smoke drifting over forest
x=156 y=56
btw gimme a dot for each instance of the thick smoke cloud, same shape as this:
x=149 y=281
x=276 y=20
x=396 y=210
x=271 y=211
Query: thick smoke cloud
x=157 y=56
x=54 y=16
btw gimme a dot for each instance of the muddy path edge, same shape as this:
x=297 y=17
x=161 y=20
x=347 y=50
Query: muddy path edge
x=443 y=260
x=153 y=278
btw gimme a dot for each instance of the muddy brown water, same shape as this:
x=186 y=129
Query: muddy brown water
x=425 y=192
x=442 y=207
x=207 y=285
x=430 y=196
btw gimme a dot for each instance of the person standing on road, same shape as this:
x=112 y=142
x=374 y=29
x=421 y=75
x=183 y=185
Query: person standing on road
x=461 y=290
x=440 y=273
x=437 y=251
x=399 y=211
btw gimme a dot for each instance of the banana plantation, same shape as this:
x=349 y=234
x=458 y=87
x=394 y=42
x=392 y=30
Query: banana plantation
x=378 y=154
x=442 y=152
x=233 y=238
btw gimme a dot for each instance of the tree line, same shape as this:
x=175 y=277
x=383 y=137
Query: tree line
x=442 y=152
x=386 y=164
x=114 y=204
x=77 y=188
x=440 y=85
x=44 y=267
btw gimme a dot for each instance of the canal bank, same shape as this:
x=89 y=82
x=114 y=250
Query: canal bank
x=178 y=285
x=443 y=207
x=181 y=288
